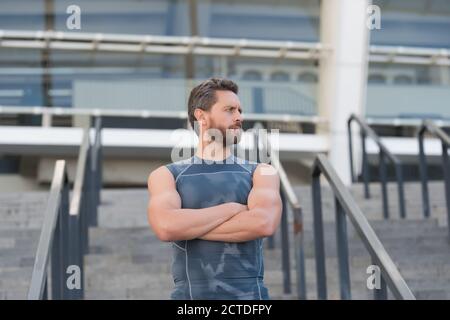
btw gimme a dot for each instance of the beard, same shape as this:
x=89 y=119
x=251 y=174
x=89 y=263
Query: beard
x=230 y=135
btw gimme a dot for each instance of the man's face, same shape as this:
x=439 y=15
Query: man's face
x=226 y=116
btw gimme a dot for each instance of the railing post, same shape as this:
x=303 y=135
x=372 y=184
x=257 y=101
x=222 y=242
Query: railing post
x=342 y=251
x=365 y=166
x=57 y=273
x=64 y=216
x=86 y=201
x=350 y=149
x=401 y=192
x=92 y=187
x=424 y=175
x=383 y=180
x=445 y=168
x=299 y=253
x=285 y=246
x=96 y=173
x=76 y=253
x=318 y=236
x=45 y=292
x=99 y=160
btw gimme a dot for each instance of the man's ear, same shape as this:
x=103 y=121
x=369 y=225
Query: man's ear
x=199 y=115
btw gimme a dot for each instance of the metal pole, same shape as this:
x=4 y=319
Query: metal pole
x=92 y=185
x=350 y=149
x=319 y=238
x=342 y=250
x=45 y=292
x=383 y=178
x=445 y=167
x=64 y=216
x=365 y=166
x=75 y=252
x=56 y=261
x=300 y=255
x=99 y=159
x=86 y=204
x=424 y=176
x=285 y=247
x=401 y=192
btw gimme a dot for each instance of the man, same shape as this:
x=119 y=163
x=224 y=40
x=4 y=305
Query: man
x=215 y=208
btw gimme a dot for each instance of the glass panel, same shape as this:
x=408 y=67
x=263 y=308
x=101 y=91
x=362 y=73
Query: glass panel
x=160 y=17
x=409 y=91
x=423 y=23
x=22 y=15
x=270 y=20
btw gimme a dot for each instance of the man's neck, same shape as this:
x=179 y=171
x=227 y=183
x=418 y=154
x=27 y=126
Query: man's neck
x=213 y=152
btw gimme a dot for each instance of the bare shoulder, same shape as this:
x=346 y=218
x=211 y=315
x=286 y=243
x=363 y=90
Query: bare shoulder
x=160 y=178
x=266 y=175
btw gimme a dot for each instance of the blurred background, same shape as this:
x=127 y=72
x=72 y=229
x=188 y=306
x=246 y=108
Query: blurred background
x=272 y=49
x=349 y=79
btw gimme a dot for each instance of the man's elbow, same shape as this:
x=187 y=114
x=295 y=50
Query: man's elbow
x=163 y=232
x=164 y=235
x=267 y=228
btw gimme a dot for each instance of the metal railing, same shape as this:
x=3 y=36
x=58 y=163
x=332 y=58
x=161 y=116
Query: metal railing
x=53 y=240
x=289 y=200
x=345 y=205
x=429 y=126
x=64 y=234
x=384 y=154
x=146 y=44
x=48 y=112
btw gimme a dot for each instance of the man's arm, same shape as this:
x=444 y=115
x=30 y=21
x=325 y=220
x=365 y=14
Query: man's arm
x=170 y=222
x=264 y=211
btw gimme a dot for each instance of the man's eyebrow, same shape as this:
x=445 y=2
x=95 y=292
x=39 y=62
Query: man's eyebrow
x=233 y=107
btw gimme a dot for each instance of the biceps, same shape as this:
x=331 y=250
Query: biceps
x=264 y=199
x=159 y=205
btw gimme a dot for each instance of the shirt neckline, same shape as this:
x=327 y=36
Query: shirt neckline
x=197 y=159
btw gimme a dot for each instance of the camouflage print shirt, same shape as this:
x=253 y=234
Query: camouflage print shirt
x=205 y=269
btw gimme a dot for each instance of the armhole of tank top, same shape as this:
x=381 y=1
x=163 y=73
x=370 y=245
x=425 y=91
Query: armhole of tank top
x=172 y=170
x=177 y=170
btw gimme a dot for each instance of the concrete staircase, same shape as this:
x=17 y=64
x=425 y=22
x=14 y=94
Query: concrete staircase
x=127 y=261
x=20 y=223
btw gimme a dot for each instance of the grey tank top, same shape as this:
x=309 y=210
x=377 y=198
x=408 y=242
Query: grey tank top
x=205 y=269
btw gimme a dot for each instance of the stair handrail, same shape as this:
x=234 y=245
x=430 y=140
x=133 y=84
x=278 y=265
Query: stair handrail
x=288 y=196
x=65 y=228
x=430 y=127
x=53 y=241
x=345 y=205
x=367 y=131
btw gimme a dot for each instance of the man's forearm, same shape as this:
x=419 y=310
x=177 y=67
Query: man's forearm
x=187 y=224
x=245 y=226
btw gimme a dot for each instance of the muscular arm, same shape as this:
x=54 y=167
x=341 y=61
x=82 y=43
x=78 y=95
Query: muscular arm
x=170 y=222
x=263 y=215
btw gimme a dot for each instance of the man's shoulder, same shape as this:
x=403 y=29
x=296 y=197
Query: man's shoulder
x=176 y=167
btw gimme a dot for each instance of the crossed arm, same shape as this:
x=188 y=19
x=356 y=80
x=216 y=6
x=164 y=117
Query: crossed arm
x=229 y=222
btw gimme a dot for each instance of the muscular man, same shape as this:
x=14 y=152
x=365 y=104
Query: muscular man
x=214 y=207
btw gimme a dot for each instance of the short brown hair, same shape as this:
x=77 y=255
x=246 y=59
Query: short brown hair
x=203 y=96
